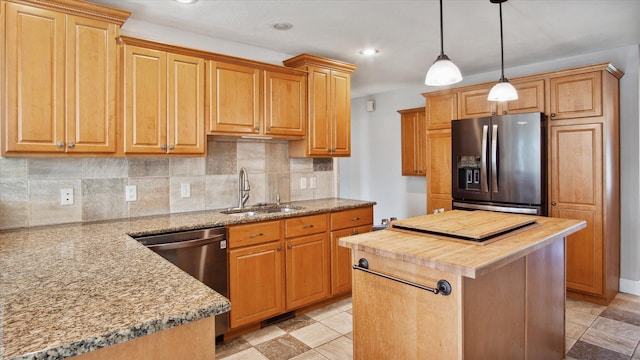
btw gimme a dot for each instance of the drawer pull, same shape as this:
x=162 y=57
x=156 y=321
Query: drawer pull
x=355 y=218
x=256 y=235
x=443 y=287
x=310 y=226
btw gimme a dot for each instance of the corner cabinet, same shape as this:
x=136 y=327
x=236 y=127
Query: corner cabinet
x=250 y=99
x=583 y=149
x=329 y=107
x=413 y=131
x=60 y=73
x=163 y=100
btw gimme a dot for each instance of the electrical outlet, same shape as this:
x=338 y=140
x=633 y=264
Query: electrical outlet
x=131 y=193
x=303 y=183
x=185 y=190
x=66 y=197
x=312 y=183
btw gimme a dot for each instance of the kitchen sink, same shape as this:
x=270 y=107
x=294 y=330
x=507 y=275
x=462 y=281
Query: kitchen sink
x=261 y=209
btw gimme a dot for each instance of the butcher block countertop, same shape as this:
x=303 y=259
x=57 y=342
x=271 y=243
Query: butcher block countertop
x=457 y=256
x=70 y=289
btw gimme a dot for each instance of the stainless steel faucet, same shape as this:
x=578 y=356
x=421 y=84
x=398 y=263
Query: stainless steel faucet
x=278 y=189
x=243 y=187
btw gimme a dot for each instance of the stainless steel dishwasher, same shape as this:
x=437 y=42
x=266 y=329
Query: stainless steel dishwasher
x=200 y=253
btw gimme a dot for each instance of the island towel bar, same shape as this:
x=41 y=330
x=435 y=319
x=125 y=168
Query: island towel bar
x=442 y=287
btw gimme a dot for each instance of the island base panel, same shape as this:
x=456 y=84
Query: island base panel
x=195 y=340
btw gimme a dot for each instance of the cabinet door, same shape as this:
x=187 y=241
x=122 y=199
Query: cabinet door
x=341 y=260
x=341 y=108
x=91 y=85
x=145 y=100
x=285 y=104
x=413 y=143
x=185 y=121
x=307 y=270
x=255 y=283
x=34 y=75
x=440 y=110
x=474 y=103
x=234 y=98
x=576 y=193
x=439 y=170
x=575 y=96
x=530 y=98
x=320 y=114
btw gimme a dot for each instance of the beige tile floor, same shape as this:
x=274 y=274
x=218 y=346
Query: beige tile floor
x=592 y=332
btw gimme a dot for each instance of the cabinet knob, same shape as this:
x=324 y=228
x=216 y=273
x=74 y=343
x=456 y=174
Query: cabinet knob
x=163 y=147
x=71 y=144
x=258 y=128
x=553 y=114
x=553 y=203
x=504 y=111
x=171 y=147
x=59 y=144
x=268 y=128
x=493 y=113
x=289 y=246
x=279 y=248
x=354 y=232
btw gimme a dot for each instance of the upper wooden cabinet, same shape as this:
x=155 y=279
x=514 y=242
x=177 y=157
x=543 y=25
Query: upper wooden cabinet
x=163 y=101
x=440 y=110
x=438 y=170
x=244 y=99
x=575 y=96
x=60 y=74
x=413 y=130
x=473 y=101
x=329 y=107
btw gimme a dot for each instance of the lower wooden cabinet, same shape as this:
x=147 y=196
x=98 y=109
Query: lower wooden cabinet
x=346 y=223
x=307 y=270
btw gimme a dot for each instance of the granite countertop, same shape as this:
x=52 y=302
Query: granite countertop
x=462 y=257
x=69 y=289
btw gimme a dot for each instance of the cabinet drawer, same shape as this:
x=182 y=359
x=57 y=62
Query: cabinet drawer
x=351 y=218
x=305 y=225
x=250 y=234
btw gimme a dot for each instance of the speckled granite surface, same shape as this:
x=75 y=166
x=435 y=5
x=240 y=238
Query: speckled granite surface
x=70 y=289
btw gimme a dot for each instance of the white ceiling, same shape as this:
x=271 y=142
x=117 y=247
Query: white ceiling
x=406 y=31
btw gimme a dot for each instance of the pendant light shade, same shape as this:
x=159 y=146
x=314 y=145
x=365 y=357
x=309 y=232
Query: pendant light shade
x=503 y=90
x=443 y=71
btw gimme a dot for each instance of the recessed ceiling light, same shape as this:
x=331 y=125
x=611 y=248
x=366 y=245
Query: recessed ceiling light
x=282 y=26
x=187 y=1
x=369 y=52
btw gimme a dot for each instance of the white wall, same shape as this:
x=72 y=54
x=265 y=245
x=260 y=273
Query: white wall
x=373 y=171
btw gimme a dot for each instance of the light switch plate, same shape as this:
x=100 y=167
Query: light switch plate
x=131 y=193
x=185 y=190
x=312 y=183
x=303 y=183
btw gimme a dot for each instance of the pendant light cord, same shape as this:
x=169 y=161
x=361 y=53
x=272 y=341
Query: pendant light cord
x=441 y=32
x=501 y=47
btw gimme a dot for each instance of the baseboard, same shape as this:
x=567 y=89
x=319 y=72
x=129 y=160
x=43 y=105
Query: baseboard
x=630 y=286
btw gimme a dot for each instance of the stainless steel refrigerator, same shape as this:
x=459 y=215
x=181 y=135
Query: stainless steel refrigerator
x=499 y=163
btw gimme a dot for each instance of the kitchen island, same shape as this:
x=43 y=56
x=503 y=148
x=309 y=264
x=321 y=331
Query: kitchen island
x=90 y=290
x=460 y=299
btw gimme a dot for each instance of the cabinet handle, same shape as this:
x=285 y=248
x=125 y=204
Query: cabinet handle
x=59 y=144
x=279 y=248
x=71 y=144
x=255 y=235
x=354 y=232
x=553 y=203
x=171 y=147
x=504 y=112
x=493 y=113
x=289 y=246
x=310 y=226
x=258 y=128
x=355 y=218
x=268 y=128
x=553 y=114
x=163 y=147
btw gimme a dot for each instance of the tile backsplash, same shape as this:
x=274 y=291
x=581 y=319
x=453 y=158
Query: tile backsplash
x=30 y=187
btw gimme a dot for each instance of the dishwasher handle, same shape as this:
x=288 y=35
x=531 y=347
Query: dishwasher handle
x=443 y=287
x=186 y=244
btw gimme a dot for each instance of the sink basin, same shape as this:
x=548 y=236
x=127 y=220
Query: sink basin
x=257 y=210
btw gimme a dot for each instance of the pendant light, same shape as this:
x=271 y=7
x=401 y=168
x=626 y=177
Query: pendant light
x=443 y=71
x=503 y=90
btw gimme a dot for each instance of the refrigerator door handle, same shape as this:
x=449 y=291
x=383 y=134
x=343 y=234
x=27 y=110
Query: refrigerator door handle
x=494 y=159
x=484 y=186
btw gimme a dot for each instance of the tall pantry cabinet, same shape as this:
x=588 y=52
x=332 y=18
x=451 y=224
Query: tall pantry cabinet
x=60 y=77
x=583 y=149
